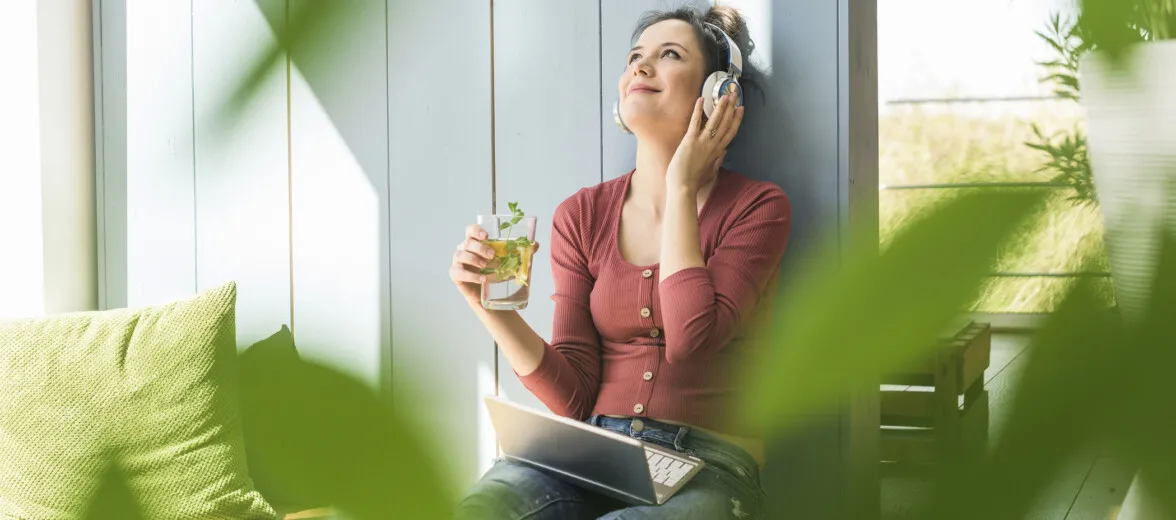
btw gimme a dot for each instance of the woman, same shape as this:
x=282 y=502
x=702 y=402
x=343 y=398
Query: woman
x=657 y=276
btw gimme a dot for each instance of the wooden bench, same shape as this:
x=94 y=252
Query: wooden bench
x=939 y=408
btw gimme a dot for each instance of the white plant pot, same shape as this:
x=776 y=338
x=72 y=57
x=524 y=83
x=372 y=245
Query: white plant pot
x=1131 y=117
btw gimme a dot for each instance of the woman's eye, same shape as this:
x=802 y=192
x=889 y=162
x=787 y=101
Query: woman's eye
x=633 y=57
x=671 y=52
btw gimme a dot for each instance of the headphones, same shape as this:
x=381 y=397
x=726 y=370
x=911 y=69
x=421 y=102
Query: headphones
x=716 y=85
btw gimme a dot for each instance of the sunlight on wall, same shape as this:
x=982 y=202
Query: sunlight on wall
x=21 y=240
x=336 y=245
x=487 y=440
x=160 y=208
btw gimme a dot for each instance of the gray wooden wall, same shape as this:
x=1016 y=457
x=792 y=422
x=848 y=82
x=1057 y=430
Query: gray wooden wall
x=335 y=200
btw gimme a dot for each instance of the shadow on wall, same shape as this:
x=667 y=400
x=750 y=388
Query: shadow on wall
x=795 y=146
x=339 y=179
x=355 y=170
x=766 y=148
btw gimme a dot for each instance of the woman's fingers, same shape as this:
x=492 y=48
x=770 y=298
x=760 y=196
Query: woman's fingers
x=714 y=126
x=695 y=118
x=468 y=258
x=459 y=274
x=474 y=246
x=732 y=127
x=476 y=232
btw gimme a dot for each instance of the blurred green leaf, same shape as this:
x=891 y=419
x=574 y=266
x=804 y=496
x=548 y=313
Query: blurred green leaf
x=321 y=437
x=304 y=27
x=1146 y=426
x=1092 y=380
x=840 y=328
x=1061 y=405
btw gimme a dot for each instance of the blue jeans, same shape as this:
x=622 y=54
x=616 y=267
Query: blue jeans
x=727 y=487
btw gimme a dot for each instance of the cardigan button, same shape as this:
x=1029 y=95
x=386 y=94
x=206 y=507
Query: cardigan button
x=645 y=312
x=638 y=408
x=647 y=376
x=647 y=273
x=653 y=333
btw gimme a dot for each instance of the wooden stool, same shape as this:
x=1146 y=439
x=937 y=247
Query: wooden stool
x=940 y=407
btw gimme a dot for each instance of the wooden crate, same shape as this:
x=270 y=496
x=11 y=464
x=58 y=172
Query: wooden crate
x=939 y=408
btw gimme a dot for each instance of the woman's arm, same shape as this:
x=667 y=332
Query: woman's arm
x=680 y=244
x=564 y=373
x=703 y=306
x=520 y=344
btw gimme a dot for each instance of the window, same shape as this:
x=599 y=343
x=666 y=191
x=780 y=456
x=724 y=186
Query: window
x=961 y=89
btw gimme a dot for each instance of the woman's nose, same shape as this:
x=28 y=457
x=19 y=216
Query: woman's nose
x=642 y=68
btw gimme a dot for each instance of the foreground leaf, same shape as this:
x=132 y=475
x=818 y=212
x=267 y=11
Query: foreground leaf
x=1145 y=429
x=1062 y=405
x=840 y=328
x=318 y=437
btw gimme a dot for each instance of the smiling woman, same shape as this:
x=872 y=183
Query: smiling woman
x=658 y=275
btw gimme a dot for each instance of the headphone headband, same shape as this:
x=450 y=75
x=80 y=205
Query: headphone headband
x=734 y=55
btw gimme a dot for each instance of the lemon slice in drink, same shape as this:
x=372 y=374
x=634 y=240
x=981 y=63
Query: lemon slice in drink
x=499 y=247
x=525 y=264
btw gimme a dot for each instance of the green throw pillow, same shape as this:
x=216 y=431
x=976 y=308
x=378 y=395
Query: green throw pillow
x=148 y=393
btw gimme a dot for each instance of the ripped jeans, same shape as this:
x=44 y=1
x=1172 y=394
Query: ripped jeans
x=728 y=487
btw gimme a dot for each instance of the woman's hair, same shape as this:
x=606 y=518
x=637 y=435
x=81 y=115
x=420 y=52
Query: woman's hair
x=713 y=47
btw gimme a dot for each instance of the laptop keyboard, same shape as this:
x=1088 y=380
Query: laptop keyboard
x=667 y=470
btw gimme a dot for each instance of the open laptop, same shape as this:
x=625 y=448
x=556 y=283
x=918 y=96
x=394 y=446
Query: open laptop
x=617 y=465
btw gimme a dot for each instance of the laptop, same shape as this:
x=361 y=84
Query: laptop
x=628 y=469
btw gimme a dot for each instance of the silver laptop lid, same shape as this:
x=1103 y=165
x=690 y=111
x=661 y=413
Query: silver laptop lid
x=602 y=459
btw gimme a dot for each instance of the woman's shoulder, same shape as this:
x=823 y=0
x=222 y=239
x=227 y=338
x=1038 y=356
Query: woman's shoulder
x=589 y=203
x=753 y=195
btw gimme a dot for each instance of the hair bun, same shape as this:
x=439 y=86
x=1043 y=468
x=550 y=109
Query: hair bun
x=731 y=22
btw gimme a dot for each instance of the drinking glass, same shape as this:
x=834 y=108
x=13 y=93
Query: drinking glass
x=508 y=275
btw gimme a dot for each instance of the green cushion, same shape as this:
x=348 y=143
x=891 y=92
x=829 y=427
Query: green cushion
x=151 y=392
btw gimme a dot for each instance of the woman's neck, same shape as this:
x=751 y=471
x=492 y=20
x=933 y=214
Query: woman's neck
x=648 y=187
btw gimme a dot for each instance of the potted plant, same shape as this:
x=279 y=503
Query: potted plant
x=1123 y=53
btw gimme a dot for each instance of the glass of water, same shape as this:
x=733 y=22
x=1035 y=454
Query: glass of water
x=508 y=275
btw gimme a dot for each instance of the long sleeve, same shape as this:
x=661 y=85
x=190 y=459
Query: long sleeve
x=703 y=307
x=568 y=377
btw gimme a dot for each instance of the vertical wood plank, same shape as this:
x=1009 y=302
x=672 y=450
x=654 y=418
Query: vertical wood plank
x=547 y=128
x=242 y=193
x=339 y=191
x=110 y=102
x=439 y=138
x=160 y=187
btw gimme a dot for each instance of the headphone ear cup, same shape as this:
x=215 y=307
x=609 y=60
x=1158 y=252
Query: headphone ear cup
x=617 y=117
x=711 y=92
x=731 y=85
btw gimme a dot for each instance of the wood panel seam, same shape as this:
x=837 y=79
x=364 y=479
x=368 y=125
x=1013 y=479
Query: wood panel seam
x=195 y=180
x=289 y=162
x=493 y=167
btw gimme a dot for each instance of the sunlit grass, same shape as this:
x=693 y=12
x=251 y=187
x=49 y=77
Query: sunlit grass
x=944 y=144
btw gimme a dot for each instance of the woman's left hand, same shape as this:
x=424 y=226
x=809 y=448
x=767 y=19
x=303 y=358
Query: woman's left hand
x=702 y=150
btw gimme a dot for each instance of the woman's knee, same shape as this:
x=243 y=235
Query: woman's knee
x=511 y=490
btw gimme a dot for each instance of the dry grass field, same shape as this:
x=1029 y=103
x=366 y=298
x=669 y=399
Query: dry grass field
x=984 y=142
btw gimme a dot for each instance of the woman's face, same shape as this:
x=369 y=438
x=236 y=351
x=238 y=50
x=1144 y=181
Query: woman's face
x=663 y=79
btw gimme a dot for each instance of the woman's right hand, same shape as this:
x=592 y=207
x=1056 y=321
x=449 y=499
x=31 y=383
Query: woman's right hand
x=469 y=259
